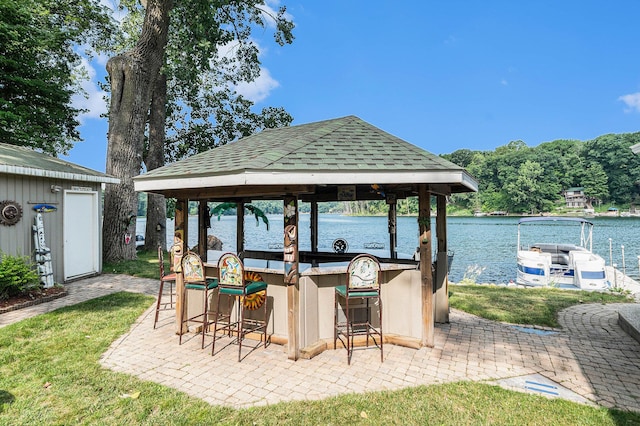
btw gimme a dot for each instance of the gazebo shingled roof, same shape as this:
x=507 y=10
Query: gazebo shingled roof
x=342 y=151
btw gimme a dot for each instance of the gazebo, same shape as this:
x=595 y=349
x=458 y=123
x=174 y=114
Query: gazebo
x=340 y=159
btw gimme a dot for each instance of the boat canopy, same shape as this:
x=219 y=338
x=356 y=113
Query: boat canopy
x=554 y=219
x=586 y=235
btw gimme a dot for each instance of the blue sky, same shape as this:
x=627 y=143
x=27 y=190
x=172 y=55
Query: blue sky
x=445 y=75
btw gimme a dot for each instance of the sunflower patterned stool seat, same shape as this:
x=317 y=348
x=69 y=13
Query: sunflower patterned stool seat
x=194 y=277
x=250 y=293
x=363 y=283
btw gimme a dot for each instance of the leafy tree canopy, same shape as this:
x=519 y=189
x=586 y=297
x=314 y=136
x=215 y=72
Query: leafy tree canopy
x=209 y=52
x=521 y=179
x=40 y=68
x=175 y=75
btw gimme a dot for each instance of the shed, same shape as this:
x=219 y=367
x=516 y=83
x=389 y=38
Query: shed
x=69 y=197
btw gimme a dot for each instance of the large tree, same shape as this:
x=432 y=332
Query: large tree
x=196 y=35
x=595 y=182
x=132 y=76
x=622 y=167
x=40 y=68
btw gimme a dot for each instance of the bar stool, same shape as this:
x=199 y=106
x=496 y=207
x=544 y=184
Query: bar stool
x=232 y=283
x=195 y=279
x=363 y=282
x=169 y=279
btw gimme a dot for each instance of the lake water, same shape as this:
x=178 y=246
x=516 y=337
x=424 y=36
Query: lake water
x=480 y=244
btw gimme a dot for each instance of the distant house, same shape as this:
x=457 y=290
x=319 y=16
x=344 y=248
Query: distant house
x=575 y=198
x=73 y=217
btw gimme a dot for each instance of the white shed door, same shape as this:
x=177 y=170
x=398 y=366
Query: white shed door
x=81 y=233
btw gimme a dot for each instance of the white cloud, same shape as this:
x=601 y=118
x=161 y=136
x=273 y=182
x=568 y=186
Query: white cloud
x=118 y=14
x=451 y=40
x=504 y=82
x=259 y=89
x=632 y=101
x=255 y=91
x=94 y=101
x=271 y=8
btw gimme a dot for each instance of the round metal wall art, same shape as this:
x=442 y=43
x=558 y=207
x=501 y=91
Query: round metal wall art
x=10 y=212
x=340 y=245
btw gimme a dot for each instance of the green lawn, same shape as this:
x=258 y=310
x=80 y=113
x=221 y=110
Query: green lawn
x=146 y=266
x=531 y=306
x=49 y=374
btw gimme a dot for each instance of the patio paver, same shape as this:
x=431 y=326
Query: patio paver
x=591 y=359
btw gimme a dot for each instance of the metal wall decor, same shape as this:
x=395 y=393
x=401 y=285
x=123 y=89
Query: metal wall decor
x=10 y=212
x=254 y=301
x=42 y=253
x=340 y=245
x=290 y=241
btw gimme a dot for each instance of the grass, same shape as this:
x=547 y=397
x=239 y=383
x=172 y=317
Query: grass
x=145 y=266
x=531 y=306
x=49 y=374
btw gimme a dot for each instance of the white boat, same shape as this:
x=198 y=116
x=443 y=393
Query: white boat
x=561 y=265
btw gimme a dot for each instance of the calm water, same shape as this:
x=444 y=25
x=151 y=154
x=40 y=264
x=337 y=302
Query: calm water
x=486 y=244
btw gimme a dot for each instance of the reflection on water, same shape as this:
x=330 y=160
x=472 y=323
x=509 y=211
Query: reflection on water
x=482 y=243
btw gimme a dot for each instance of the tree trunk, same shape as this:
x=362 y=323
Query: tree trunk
x=132 y=77
x=156 y=233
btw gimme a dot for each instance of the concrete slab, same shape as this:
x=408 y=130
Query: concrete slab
x=629 y=319
x=537 y=384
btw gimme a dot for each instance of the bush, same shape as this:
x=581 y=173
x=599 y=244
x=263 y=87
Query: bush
x=17 y=275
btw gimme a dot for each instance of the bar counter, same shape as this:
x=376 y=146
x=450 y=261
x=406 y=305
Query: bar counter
x=400 y=293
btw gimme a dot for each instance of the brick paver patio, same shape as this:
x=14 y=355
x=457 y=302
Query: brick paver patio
x=591 y=359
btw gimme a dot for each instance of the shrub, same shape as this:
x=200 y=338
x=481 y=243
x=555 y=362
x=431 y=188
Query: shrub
x=17 y=275
x=471 y=274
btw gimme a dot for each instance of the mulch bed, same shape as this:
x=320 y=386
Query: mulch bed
x=32 y=298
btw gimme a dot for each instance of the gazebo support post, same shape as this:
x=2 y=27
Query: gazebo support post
x=392 y=219
x=240 y=229
x=203 y=224
x=180 y=236
x=424 y=222
x=314 y=226
x=291 y=277
x=442 y=263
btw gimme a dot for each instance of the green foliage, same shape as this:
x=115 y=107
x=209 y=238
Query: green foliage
x=17 y=275
x=223 y=207
x=210 y=51
x=405 y=207
x=595 y=182
x=519 y=179
x=620 y=164
x=39 y=69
